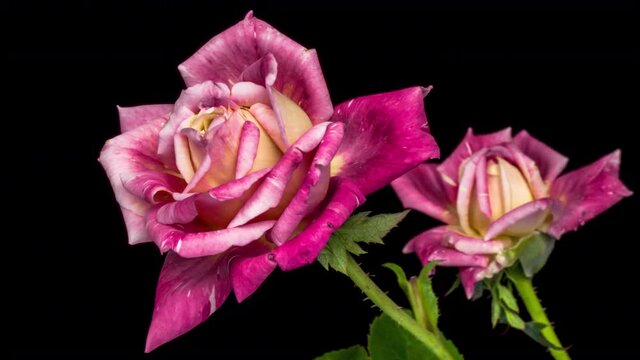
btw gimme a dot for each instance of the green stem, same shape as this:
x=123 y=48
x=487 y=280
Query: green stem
x=536 y=311
x=378 y=297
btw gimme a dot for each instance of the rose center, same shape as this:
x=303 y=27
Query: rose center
x=507 y=190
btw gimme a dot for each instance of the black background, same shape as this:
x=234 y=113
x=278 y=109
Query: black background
x=567 y=73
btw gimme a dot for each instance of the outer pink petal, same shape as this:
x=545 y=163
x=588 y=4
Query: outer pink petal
x=250 y=270
x=271 y=191
x=132 y=117
x=521 y=220
x=303 y=249
x=125 y=157
x=313 y=189
x=469 y=276
x=189 y=290
x=225 y=57
x=584 y=193
x=471 y=143
x=136 y=227
x=386 y=135
x=550 y=162
x=343 y=198
x=195 y=242
x=422 y=189
x=432 y=245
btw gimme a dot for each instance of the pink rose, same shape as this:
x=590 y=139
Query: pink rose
x=493 y=192
x=251 y=168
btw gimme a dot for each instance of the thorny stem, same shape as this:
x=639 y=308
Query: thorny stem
x=536 y=311
x=389 y=307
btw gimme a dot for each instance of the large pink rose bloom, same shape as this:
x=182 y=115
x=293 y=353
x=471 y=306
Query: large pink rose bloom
x=493 y=191
x=251 y=168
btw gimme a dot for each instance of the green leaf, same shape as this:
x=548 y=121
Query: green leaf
x=428 y=298
x=534 y=330
x=390 y=341
x=356 y=352
x=402 y=279
x=507 y=298
x=533 y=252
x=358 y=228
x=513 y=319
x=453 y=350
x=370 y=229
x=455 y=285
x=496 y=311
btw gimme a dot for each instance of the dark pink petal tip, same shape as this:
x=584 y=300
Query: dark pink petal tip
x=585 y=193
x=386 y=135
x=189 y=290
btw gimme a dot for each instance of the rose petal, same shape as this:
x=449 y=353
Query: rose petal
x=313 y=189
x=422 y=189
x=465 y=190
x=521 y=220
x=190 y=102
x=469 y=276
x=386 y=135
x=136 y=227
x=471 y=143
x=271 y=191
x=195 y=241
x=269 y=120
x=431 y=245
x=226 y=56
x=215 y=207
x=132 y=117
x=127 y=156
x=550 y=162
x=219 y=164
x=249 y=271
x=343 y=198
x=249 y=139
x=475 y=246
x=584 y=193
x=189 y=290
x=246 y=93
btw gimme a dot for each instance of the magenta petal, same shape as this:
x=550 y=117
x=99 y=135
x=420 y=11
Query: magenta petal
x=201 y=242
x=431 y=245
x=250 y=270
x=189 y=290
x=584 y=193
x=469 y=276
x=469 y=145
x=226 y=56
x=271 y=191
x=422 y=189
x=386 y=135
x=475 y=246
x=132 y=117
x=248 y=148
x=153 y=185
x=343 y=198
x=125 y=157
x=550 y=162
x=313 y=188
x=521 y=220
